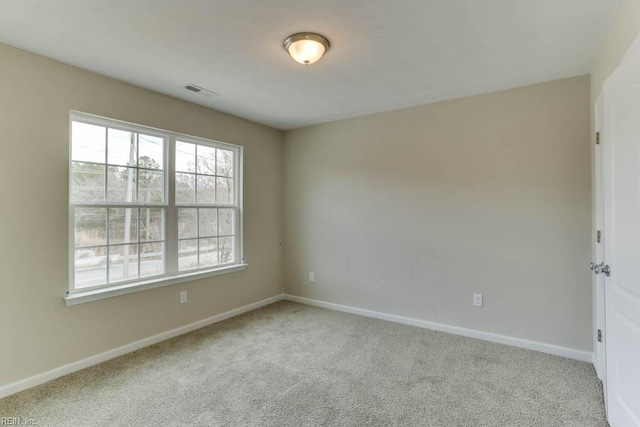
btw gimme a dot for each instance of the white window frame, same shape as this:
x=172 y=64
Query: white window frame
x=171 y=275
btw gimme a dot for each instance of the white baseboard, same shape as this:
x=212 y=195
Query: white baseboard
x=571 y=353
x=44 y=377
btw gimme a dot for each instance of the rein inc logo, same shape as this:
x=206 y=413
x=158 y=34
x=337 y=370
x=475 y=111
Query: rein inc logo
x=17 y=421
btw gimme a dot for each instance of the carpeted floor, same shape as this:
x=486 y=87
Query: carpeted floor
x=293 y=365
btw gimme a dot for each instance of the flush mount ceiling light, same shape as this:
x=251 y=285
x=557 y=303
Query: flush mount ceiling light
x=306 y=48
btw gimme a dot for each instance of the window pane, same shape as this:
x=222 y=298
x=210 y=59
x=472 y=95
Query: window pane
x=187 y=223
x=151 y=224
x=87 y=183
x=206 y=190
x=151 y=152
x=150 y=186
x=225 y=163
x=187 y=254
x=90 y=227
x=224 y=191
x=122 y=148
x=123 y=263
x=225 y=222
x=90 y=267
x=208 y=222
x=87 y=142
x=185 y=188
x=208 y=252
x=227 y=253
x=123 y=225
x=185 y=157
x=151 y=259
x=121 y=184
x=206 y=160
x=116 y=171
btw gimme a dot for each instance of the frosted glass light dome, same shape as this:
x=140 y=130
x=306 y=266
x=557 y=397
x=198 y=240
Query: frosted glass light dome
x=306 y=48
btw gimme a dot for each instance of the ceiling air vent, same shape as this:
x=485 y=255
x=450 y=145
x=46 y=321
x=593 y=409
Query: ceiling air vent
x=200 y=90
x=193 y=88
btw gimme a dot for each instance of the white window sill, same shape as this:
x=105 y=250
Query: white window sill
x=129 y=288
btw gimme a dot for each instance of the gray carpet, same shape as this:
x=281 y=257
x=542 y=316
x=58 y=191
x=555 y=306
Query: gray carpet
x=294 y=365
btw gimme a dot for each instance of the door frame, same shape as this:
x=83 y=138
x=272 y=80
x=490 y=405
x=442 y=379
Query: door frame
x=598 y=247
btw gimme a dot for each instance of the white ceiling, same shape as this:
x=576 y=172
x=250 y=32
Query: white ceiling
x=385 y=54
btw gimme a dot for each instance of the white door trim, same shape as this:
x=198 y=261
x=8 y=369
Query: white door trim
x=598 y=248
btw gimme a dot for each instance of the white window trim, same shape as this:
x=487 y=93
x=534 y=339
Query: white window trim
x=171 y=275
x=129 y=288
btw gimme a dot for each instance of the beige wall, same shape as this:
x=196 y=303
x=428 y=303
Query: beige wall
x=412 y=211
x=37 y=331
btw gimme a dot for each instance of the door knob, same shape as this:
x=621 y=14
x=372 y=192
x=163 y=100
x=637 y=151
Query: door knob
x=601 y=268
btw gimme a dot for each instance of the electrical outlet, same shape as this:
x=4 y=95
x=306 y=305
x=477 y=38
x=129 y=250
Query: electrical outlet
x=183 y=297
x=312 y=277
x=477 y=300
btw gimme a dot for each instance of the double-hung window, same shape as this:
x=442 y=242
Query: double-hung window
x=148 y=206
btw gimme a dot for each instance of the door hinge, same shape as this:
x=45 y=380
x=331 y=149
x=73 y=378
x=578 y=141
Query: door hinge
x=598 y=138
x=599 y=335
x=598 y=236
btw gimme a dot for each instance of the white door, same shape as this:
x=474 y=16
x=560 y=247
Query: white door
x=621 y=145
